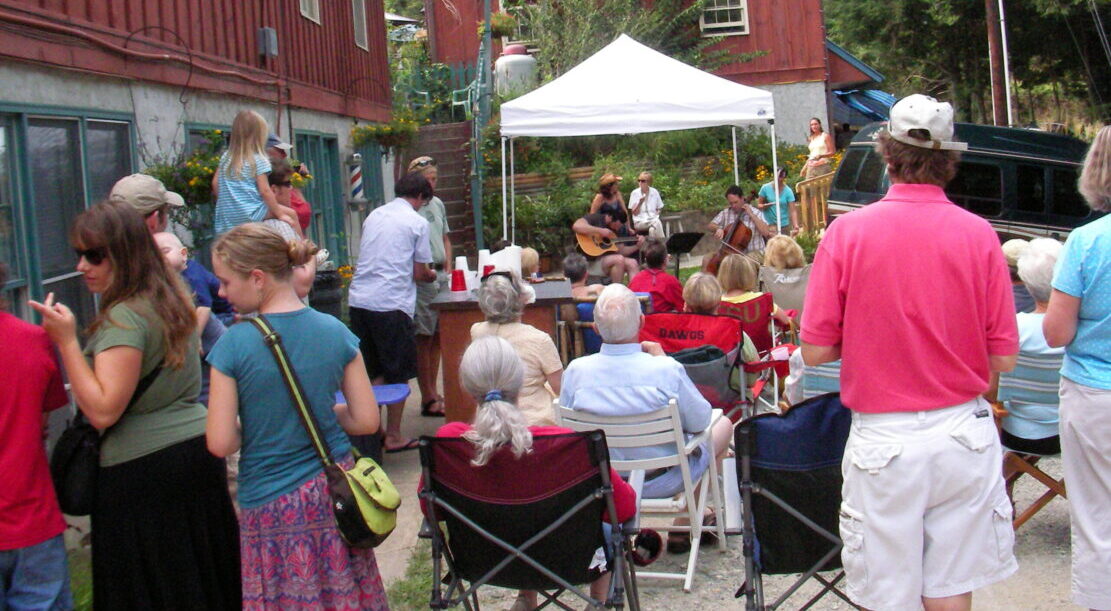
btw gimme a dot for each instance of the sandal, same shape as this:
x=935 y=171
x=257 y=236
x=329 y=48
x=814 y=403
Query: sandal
x=427 y=412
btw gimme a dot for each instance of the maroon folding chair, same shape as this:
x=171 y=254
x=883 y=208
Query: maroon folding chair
x=532 y=522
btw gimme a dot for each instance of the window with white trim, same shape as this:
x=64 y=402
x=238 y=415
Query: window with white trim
x=358 y=13
x=724 y=17
x=310 y=9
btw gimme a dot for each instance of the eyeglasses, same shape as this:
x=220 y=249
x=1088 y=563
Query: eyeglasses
x=95 y=256
x=424 y=163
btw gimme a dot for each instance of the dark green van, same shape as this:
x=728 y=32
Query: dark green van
x=1023 y=181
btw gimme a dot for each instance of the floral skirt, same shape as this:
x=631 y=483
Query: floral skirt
x=294 y=558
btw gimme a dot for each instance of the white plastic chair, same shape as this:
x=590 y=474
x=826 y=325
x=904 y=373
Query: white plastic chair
x=654 y=428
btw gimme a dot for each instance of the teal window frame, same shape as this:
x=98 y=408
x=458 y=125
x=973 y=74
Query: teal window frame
x=329 y=182
x=23 y=195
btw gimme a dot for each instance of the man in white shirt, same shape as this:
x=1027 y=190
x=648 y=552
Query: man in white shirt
x=645 y=204
x=629 y=377
x=394 y=255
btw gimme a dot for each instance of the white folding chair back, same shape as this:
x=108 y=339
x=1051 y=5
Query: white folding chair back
x=662 y=426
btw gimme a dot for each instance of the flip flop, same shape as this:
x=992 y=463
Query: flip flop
x=428 y=413
x=412 y=444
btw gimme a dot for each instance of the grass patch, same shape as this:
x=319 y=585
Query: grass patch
x=414 y=589
x=81 y=578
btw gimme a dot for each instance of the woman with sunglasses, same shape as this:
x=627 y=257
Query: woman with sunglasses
x=164 y=534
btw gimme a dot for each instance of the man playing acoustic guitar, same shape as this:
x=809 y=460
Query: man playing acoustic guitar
x=602 y=235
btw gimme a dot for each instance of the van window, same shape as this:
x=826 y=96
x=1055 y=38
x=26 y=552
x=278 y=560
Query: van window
x=1066 y=197
x=870 y=179
x=978 y=187
x=846 y=173
x=1031 y=188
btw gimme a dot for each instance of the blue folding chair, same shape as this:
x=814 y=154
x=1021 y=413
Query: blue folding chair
x=790 y=485
x=386 y=394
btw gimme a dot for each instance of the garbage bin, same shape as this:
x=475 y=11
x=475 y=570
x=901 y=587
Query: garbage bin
x=327 y=295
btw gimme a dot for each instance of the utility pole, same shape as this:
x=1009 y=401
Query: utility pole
x=995 y=57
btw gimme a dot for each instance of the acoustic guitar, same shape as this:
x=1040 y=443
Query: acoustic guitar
x=596 y=246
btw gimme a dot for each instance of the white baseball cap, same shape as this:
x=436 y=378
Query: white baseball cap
x=921 y=112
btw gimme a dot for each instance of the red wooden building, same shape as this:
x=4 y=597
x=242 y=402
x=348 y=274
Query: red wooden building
x=97 y=89
x=797 y=66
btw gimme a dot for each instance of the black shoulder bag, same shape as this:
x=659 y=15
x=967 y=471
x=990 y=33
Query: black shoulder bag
x=76 y=457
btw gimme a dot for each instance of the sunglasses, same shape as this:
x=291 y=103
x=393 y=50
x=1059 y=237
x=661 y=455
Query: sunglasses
x=642 y=180
x=423 y=163
x=95 y=256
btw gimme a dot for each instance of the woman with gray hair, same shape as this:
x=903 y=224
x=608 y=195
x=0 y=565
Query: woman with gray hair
x=502 y=301
x=1079 y=318
x=493 y=374
x=1032 y=428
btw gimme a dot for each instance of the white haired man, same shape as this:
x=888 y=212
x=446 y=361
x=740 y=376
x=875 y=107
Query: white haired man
x=629 y=377
x=925 y=517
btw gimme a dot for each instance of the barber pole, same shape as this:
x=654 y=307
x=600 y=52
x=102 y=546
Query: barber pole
x=355 y=173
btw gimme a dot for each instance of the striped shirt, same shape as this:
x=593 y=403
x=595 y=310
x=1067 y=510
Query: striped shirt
x=238 y=200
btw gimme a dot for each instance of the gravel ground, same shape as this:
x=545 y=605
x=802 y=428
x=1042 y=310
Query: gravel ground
x=1042 y=581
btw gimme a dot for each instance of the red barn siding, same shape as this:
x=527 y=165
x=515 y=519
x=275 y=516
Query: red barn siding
x=453 y=32
x=319 y=65
x=793 y=33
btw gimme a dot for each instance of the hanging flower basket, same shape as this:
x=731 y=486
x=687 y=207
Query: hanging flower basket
x=398 y=133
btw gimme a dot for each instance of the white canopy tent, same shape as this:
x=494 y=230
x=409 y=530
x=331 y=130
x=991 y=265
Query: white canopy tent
x=629 y=88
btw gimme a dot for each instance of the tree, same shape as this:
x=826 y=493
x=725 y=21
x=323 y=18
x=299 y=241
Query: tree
x=939 y=47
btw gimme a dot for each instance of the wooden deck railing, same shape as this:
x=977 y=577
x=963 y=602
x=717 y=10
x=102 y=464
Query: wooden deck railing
x=813 y=197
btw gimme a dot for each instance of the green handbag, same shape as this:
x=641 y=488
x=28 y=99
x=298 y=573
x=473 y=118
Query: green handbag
x=363 y=498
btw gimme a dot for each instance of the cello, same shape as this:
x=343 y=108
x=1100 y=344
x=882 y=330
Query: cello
x=736 y=239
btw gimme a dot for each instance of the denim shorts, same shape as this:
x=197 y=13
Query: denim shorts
x=35 y=577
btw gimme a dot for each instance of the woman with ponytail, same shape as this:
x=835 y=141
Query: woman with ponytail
x=163 y=527
x=492 y=373
x=292 y=553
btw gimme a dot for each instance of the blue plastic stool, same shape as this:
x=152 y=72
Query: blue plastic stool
x=386 y=394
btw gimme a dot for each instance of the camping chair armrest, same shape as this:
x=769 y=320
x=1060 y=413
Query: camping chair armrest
x=425 y=531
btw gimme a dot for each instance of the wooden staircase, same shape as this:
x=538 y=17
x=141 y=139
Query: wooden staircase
x=450 y=145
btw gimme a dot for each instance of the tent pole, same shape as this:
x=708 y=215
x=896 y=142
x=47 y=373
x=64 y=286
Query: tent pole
x=512 y=195
x=736 y=171
x=504 y=213
x=775 y=178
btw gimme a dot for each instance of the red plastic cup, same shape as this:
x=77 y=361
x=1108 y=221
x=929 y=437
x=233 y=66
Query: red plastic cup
x=487 y=270
x=458 y=280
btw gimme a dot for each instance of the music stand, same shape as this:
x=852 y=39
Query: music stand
x=682 y=243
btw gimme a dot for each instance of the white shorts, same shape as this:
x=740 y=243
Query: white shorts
x=924 y=511
x=1085 y=454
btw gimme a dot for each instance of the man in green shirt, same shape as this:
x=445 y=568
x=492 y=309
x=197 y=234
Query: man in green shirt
x=425 y=319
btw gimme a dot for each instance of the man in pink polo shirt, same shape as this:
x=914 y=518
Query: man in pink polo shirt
x=912 y=293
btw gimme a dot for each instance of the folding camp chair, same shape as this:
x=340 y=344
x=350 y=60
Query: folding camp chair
x=527 y=523
x=686 y=336
x=757 y=322
x=1033 y=382
x=661 y=426
x=790 y=486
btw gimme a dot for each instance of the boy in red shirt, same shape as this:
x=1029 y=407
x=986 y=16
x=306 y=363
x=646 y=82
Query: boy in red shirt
x=667 y=293
x=912 y=293
x=33 y=573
